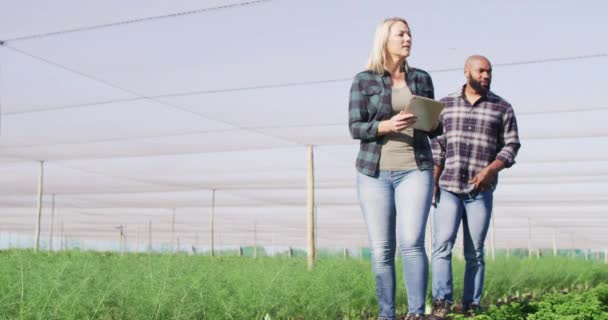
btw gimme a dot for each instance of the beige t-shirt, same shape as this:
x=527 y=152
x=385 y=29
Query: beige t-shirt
x=397 y=151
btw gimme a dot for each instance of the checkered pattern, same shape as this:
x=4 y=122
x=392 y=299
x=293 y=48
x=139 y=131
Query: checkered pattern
x=473 y=137
x=370 y=102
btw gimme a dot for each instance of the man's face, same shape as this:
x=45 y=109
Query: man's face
x=479 y=75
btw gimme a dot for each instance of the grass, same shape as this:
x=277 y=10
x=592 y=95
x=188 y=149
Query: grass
x=89 y=285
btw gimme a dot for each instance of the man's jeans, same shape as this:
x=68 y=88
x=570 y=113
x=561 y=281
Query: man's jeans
x=474 y=210
x=395 y=207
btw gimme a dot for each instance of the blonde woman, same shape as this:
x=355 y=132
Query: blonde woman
x=395 y=165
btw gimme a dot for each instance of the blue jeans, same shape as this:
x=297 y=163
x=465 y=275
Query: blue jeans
x=395 y=207
x=474 y=210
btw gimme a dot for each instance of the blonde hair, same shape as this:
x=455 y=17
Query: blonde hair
x=377 y=58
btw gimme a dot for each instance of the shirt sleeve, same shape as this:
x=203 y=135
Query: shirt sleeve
x=509 y=139
x=431 y=88
x=438 y=145
x=361 y=127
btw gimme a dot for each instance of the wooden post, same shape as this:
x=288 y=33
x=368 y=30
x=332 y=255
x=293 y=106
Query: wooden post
x=39 y=213
x=121 y=239
x=310 y=205
x=122 y=242
x=52 y=222
x=240 y=251
x=290 y=252
x=345 y=253
x=212 y=222
x=493 y=236
x=606 y=256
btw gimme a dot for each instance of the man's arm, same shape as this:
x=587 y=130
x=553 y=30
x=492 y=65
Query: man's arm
x=484 y=178
x=509 y=139
x=436 y=175
x=438 y=146
x=505 y=157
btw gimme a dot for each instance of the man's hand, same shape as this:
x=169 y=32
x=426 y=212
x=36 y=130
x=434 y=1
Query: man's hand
x=483 y=180
x=435 y=195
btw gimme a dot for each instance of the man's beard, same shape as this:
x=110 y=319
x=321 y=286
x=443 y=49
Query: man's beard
x=476 y=85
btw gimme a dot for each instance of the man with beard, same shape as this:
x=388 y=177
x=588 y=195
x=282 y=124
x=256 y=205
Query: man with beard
x=479 y=139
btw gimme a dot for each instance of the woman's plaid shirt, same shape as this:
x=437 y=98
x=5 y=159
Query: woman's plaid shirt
x=370 y=102
x=473 y=137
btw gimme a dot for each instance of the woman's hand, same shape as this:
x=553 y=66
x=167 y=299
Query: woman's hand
x=397 y=123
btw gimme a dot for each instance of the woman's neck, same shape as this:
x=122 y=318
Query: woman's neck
x=393 y=64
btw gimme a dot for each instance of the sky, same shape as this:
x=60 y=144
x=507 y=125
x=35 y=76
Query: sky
x=136 y=119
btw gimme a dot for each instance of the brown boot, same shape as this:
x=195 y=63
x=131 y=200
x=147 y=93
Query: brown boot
x=441 y=309
x=412 y=316
x=472 y=310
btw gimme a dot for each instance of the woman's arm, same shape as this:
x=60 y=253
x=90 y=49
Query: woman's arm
x=361 y=127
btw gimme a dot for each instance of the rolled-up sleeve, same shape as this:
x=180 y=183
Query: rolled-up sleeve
x=510 y=139
x=361 y=127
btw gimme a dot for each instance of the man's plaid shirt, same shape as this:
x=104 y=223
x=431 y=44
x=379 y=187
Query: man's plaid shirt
x=370 y=102
x=473 y=137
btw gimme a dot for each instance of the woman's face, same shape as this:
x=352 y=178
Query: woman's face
x=399 y=40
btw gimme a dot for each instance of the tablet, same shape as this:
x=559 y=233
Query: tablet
x=427 y=110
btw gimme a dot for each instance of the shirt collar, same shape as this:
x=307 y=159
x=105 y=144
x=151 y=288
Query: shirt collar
x=405 y=67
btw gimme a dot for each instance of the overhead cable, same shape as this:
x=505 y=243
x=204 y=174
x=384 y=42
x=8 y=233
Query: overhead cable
x=133 y=21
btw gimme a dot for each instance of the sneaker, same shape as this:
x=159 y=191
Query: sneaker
x=473 y=310
x=412 y=316
x=441 y=309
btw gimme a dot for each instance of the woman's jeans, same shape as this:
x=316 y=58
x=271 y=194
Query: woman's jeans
x=395 y=206
x=474 y=210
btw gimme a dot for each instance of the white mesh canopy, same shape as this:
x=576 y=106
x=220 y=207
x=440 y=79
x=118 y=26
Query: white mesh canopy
x=140 y=112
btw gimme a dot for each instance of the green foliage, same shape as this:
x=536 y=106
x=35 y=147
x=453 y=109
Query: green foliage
x=89 y=285
x=584 y=305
